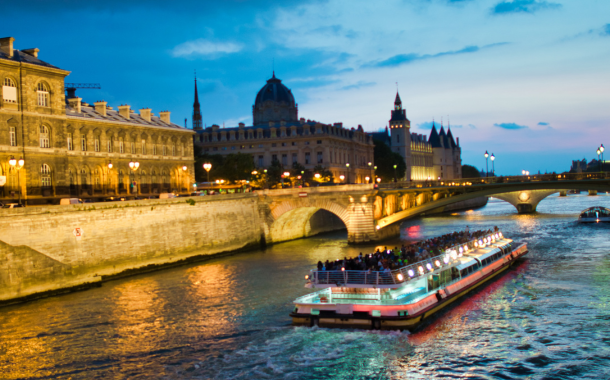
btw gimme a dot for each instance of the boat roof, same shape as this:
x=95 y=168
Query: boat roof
x=601 y=209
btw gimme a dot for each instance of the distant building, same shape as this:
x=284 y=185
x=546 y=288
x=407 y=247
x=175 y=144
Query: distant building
x=578 y=166
x=72 y=149
x=278 y=134
x=436 y=157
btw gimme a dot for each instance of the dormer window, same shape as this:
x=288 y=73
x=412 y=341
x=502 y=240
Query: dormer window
x=43 y=95
x=9 y=91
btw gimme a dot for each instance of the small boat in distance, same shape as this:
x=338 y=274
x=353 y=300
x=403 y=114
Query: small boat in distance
x=594 y=215
x=405 y=297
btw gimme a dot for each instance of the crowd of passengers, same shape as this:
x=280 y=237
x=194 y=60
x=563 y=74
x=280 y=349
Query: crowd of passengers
x=390 y=259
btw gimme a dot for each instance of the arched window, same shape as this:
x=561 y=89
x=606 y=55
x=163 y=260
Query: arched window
x=45 y=176
x=164 y=150
x=83 y=177
x=83 y=144
x=174 y=150
x=121 y=146
x=97 y=178
x=133 y=147
x=153 y=178
x=143 y=146
x=154 y=149
x=44 y=137
x=9 y=91
x=69 y=142
x=110 y=144
x=43 y=95
x=96 y=144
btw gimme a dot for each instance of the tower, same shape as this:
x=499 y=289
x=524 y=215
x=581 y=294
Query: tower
x=400 y=133
x=197 y=122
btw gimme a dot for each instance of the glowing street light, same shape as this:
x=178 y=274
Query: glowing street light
x=367 y=178
x=395 y=176
x=17 y=164
x=341 y=177
x=134 y=165
x=486 y=167
x=207 y=166
x=599 y=159
x=347 y=167
x=493 y=170
x=317 y=175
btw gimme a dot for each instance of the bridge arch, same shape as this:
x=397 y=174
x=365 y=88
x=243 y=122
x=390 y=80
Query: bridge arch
x=298 y=218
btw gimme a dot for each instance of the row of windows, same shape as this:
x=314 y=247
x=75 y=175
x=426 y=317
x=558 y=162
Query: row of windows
x=9 y=93
x=260 y=134
x=44 y=138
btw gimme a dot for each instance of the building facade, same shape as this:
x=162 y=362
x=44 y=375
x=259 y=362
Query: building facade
x=278 y=134
x=53 y=147
x=436 y=157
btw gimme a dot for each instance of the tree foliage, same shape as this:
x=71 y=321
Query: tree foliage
x=469 y=171
x=232 y=168
x=385 y=160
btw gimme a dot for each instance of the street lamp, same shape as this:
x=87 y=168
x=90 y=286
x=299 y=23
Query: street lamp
x=493 y=169
x=486 y=167
x=395 y=178
x=599 y=159
x=134 y=166
x=286 y=175
x=184 y=169
x=601 y=148
x=367 y=178
x=17 y=164
x=347 y=167
x=522 y=172
x=207 y=166
x=341 y=177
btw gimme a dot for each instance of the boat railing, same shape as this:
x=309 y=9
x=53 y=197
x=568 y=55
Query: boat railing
x=403 y=274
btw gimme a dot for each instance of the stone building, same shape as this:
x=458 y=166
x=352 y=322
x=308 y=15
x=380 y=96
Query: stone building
x=69 y=148
x=278 y=134
x=436 y=157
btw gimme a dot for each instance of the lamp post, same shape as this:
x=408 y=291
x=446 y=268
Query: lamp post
x=302 y=178
x=207 y=166
x=17 y=164
x=601 y=149
x=341 y=177
x=109 y=169
x=395 y=176
x=599 y=159
x=134 y=167
x=347 y=167
x=493 y=169
x=184 y=169
x=286 y=175
x=486 y=167
x=367 y=178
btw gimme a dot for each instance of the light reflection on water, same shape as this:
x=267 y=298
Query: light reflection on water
x=228 y=318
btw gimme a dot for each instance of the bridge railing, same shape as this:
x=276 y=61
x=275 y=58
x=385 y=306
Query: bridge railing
x=495 y=180
x=374 y=278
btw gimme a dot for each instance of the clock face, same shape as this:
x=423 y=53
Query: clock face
x=397 y=108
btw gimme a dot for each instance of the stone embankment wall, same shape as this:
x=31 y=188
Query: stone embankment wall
x=116 y=237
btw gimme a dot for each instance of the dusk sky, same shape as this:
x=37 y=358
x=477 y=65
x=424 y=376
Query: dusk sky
x=527 y=80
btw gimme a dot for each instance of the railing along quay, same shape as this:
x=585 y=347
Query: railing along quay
x=367 y=277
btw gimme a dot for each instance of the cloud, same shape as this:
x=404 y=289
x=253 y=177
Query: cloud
x=205 y=48
x=606 y=30
x=402 y=59
x=510 y=126
x=523 y=6
x=358 y=85
x=472 y=126
x=426 y=125
x=543 y=123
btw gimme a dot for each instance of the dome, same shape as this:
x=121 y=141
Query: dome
x=275 y=91
x=274 y=102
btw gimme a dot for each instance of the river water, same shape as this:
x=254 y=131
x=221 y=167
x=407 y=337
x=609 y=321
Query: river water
x=548 y=318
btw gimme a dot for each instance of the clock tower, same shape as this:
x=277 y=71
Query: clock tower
x=400 y=133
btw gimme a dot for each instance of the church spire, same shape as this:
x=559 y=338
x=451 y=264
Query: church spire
x=197 y=122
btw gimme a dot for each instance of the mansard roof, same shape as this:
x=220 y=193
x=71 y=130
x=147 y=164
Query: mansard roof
x=89 y=113
x=20 y=56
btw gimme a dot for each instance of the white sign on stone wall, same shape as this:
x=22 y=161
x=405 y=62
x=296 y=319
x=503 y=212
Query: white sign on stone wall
x=78 y=233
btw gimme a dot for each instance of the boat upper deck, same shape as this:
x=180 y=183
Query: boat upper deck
x=459 y=256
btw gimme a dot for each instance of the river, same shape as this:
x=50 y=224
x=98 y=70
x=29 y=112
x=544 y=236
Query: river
x=227 y=318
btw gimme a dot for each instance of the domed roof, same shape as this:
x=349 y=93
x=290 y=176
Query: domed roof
x=274 y=90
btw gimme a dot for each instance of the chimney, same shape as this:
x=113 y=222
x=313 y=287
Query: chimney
x=100 y=107
x=32 y=52
x=242 y=125
x=164 y=115
x=145 y=114
x=124 y=111
x=75 y=103
x=6 y=46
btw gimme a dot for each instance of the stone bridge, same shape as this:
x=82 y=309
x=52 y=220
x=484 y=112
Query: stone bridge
x=371 y=214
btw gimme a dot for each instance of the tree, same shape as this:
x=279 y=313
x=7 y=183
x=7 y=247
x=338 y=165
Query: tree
x=325 y=174
x=232 y=168
x=216 y=160
x=385 y=160
x=469 y=171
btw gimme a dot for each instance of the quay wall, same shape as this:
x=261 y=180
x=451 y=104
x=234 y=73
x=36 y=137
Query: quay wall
x=117 y=237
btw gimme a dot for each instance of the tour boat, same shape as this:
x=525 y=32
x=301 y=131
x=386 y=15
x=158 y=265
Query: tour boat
x=403 y=298
x=594 y=215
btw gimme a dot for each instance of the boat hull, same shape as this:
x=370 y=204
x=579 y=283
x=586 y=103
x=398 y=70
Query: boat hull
x=408 y=322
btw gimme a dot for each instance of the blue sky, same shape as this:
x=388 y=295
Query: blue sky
x=528 y=80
